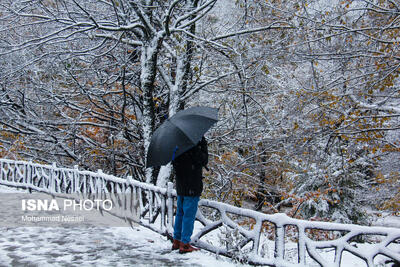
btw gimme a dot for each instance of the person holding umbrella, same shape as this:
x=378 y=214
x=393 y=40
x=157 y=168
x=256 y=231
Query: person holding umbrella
x=189 y=186
x=180 y=139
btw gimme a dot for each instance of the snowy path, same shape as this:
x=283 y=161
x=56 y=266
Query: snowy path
x=34 y=246
x=92 y=246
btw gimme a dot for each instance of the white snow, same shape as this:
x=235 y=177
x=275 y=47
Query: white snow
x=94 y=246
x=117 y=246
x=388 y=221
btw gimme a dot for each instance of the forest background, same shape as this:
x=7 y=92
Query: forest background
x=307 y=91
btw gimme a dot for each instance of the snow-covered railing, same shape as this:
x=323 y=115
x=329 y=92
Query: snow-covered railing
x=245 y=235
x=279 y=240
x=136 y=202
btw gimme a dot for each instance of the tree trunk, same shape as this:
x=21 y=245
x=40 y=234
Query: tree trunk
x=147 y=78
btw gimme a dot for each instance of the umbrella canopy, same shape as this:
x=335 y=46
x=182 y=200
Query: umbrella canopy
x=179 y=133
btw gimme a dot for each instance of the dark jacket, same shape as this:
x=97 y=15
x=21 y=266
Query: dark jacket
x=189 y=170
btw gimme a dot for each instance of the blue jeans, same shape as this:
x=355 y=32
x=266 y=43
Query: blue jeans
x=184 y=219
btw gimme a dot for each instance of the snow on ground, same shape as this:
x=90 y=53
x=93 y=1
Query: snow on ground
x=93 y=246
x=118 y=246
x=388 y=221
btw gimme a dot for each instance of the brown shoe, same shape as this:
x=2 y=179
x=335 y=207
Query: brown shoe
x=185 y=248
x=176 y=244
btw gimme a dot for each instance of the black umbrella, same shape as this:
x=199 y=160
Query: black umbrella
x=179 y=133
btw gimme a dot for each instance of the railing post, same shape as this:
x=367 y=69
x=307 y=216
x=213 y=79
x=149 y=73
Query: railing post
x=25 y=176
x=31 y=172
x=97 y=185
x=279 y=241
x=29 y=179
x=256 y=242
x=1 y=170
x=75 y=179
x=53 y=178
x=13 y=170
x=301 y=249
x=170 y=206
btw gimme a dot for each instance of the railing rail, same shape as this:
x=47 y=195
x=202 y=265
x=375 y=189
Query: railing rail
x=250 y=236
